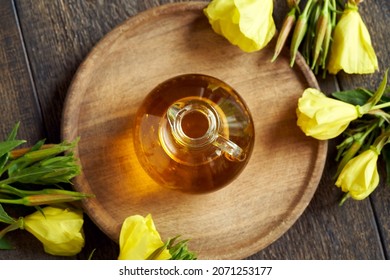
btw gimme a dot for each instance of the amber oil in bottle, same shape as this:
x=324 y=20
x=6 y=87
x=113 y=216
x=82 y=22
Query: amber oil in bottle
x=193 y=133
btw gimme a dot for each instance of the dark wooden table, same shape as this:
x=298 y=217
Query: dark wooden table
x=42 y=43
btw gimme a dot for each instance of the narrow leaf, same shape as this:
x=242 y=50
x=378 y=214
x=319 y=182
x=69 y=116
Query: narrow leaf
x=38 y=145
x=4 y=217
x=14 y=132
x=7 y=146
x=3 y=161
x=354 y=97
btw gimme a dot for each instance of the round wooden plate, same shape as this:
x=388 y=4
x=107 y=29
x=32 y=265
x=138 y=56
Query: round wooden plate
x=242 y=218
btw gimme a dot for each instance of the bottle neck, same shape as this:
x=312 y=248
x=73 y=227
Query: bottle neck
x=194 y=124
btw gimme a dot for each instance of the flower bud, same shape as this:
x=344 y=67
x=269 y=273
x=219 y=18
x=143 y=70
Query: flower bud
x=326 y=45
x=322 y=117
x=139 y=239
x=321 y=30
x=351 y=49
x=59 y=230
x=300 y=31
x=287 y=26
x=298 y=35
x=41 y=199
x=247 y=24
x=360 y=177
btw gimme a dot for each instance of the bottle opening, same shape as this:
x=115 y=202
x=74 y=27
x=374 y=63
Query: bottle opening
x=195 y=124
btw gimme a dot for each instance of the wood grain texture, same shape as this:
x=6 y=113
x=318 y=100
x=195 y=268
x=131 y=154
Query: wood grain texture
x=59 y=34
x=18 y=103
x=16 y=90
x=376 y=16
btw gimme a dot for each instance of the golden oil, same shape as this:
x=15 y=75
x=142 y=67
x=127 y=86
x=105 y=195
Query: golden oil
x=193 y=133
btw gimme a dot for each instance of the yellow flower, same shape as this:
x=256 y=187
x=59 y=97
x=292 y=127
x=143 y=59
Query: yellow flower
x=351 y=49
x=360 y=177
x=322 y=117
x=245 y=23
x=59 y=230
x=139 y=239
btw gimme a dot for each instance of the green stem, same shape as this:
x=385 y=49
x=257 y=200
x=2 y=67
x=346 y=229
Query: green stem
x=355 y=147
x=372 y=102
x=11 y=190
x=19 y=201
x=19 y=224
x=381 y=141
x=4 y=188
x=333 y=10
x=345 y=197
x=380 y=106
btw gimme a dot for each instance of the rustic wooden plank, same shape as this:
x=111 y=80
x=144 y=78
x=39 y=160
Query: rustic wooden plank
x=58 y=36
x=17 y=92
x=18 y=103
x=376 y=16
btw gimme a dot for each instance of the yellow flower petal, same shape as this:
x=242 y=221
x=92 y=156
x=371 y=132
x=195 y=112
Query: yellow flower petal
x=139 y=239
x=352 y=50
x=322 y=117
x=360 y=176
x=245 y=23
x=59 y=230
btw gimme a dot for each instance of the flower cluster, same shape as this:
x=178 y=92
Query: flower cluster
x=326 y=40
x=23 y=172
x=330 y=34
x=361 y=116
x=58 y=226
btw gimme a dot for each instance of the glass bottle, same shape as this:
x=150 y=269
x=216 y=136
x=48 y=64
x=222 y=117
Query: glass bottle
x=193 y=133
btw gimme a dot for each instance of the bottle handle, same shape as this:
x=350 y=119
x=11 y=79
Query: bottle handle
x=231 y=149
x=225 y=146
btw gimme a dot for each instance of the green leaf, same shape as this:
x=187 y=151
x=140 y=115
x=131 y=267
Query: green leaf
x=38 y=145
x=11 y=137
x=180 y=251
x=354 y=97
x=7 y=146
x=10 y=144
x=4 y=217
x=3 y=161
x=5 y=245
x=60 y=169
x=14 y=132
x=45 y=166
